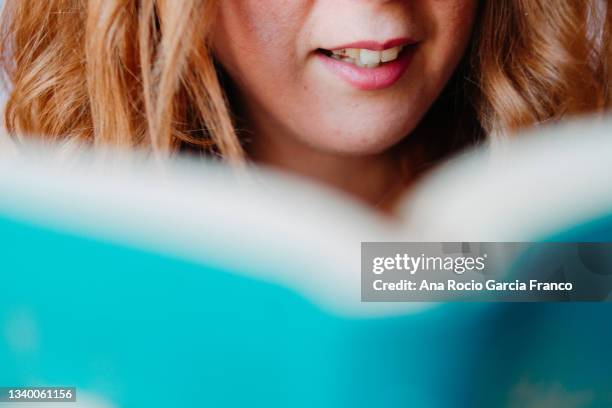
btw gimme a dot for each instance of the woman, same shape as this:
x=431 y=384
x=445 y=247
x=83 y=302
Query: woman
x=361 y=95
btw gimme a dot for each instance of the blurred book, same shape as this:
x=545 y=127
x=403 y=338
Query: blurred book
x=186 y=283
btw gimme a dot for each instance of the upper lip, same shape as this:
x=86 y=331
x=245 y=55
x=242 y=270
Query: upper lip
x=374 y=45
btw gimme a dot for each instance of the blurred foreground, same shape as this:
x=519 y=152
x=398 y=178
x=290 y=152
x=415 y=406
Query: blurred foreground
x=187 y=284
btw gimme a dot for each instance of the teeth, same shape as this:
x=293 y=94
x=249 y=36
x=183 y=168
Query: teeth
x=367 y=58
x=390 y=54
x=353 y=53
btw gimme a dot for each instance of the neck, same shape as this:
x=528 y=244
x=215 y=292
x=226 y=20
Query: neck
x=377 y=180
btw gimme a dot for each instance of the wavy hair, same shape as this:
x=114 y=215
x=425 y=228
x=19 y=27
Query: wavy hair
x=536 y=62
x=140 y=73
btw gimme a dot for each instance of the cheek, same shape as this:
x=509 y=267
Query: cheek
x=255 y=37
x=450 y=25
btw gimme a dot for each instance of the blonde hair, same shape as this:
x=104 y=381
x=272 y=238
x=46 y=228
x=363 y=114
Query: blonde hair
x=537 y=62
x=140 y=73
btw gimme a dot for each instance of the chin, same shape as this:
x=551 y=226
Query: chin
x=356 y=144
x=363 y=138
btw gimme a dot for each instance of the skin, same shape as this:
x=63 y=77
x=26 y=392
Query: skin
x=305 y=119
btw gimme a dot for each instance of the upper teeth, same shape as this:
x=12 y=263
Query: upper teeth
x=367 y=58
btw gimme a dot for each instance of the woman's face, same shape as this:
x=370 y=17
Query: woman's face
x=343 y=76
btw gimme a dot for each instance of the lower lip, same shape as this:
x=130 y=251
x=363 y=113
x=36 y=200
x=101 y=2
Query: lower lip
x=370 y=79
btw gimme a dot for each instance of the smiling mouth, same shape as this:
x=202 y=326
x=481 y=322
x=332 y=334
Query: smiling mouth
x=366 y=58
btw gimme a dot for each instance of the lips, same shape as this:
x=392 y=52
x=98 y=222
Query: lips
x=368 y=65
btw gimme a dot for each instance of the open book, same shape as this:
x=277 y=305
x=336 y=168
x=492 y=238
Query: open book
x=191 y=284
